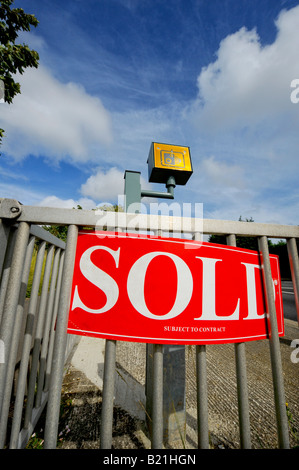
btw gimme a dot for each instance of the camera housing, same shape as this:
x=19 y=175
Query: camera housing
x=165 y=160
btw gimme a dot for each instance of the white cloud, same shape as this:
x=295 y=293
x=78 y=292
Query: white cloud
x=54 y=201
x=25 y=195
x=222 y=174
x=104 y=185
x=250 y=83
x=54 y=119
x=108 y=186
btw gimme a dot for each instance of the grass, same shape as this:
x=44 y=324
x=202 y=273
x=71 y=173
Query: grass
x=292 y=427
x=36 y=441
x=32 y=270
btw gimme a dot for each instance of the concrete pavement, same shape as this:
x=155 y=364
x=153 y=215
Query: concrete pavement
x=85 y=377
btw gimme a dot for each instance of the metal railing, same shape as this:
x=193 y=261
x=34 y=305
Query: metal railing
x=44 y=345
x=27 y=325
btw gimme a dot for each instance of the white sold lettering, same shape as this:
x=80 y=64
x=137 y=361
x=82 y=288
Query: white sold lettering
x=251 y=292
x=99 y=278
x=184 y=289
x=136 y=279
x=209 y=292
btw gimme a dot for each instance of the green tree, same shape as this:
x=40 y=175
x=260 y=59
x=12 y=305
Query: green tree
x=112 y=208
x=243 y=242
x=251 y=243
x=14 y=57
x=60 y=231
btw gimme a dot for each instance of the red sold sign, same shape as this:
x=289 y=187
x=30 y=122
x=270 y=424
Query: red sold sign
x=161 y=290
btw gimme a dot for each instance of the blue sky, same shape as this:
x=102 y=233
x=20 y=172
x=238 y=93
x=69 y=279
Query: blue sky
x=116 y=75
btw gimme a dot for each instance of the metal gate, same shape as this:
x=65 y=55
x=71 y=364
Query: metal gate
x=34 y=345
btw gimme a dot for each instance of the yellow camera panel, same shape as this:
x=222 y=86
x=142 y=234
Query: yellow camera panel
x=169 y=160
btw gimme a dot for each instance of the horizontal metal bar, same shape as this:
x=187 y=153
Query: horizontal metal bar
x=43 y=234
x=98 y=219
x=160 y=194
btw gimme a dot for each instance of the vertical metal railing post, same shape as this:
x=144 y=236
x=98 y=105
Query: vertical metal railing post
x=202 y=397
x=15 y=341
x=108 y=395
x=4 y=236
x=6 y=268
x=294 y=266
x=202 y=389
x=108 y=391
x=46 y=334
x=241 y=375
x=277 y=374
x=11 y=298
x=157 y=406
x=28 y=336
x=52 y=333
x=38 y=339
x=53 y=407
x=149 y=375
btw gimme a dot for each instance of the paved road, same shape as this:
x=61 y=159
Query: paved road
x=83 y=383
x=288 y=296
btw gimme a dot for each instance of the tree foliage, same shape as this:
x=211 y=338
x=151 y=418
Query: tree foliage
x=243 y=242
x=14 y=57
x=60 y=231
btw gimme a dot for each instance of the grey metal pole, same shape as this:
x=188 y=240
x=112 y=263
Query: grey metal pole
x=6 y=268
x=52 y=334
x=202 y=390
x=11 y=298
x=242 y=389
x=4 y=235
x=15 y=341
x=108 y=395
x=46 y=335
x=202 y=397
x=22 y=379
x=132 y=191
x=38 y=339
x=294 y=265
x=277 y=374
x=157 y=416
x=52 y=418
